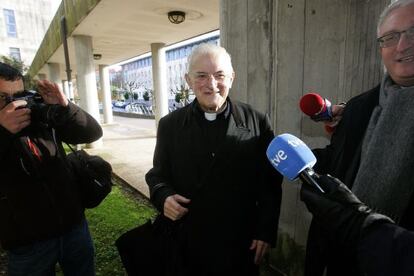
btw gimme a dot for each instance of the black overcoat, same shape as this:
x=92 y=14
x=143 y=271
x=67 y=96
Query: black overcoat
x=235 y=193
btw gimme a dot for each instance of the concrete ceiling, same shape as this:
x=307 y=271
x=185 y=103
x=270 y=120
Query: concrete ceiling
x=122 y=29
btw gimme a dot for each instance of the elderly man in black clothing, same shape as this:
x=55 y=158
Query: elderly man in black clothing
x=211 y=174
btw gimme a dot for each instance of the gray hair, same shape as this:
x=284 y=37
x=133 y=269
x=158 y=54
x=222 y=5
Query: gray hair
x=205 y=49
x=390 y=8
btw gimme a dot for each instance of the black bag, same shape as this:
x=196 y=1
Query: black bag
x=94 y=177
x=153 y=249
x=138 y=249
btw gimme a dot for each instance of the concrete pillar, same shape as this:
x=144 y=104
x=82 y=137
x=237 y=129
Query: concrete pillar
x=68 y=90
x=86 y=78
x=65 y=88
x=159 y=76
x=106 y=94
x=54 y=74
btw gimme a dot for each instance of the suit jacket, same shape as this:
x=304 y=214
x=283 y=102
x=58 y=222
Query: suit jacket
x=235 y=193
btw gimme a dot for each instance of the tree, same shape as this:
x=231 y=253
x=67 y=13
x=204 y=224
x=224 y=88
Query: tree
x=15 y=63
x=147 y=94
x=182 y=95
x=130 y=87
x=116 y=78
x=115 y=92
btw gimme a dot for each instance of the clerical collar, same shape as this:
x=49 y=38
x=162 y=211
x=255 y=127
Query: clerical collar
x=213 y=116
x=210 y=116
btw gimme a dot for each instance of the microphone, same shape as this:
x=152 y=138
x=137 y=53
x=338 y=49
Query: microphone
x=291 y=157
x=318 y=108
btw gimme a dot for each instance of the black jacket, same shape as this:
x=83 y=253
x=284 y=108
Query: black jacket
x=387 y=249
x=39 y=198
x=235 y=193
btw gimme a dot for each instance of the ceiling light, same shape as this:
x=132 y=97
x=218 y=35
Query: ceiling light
x=176 y=17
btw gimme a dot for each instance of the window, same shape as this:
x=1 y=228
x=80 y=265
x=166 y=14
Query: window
x=15 y=52
x=10 y=23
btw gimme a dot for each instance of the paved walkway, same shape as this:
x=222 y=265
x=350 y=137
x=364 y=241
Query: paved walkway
x=128 y=144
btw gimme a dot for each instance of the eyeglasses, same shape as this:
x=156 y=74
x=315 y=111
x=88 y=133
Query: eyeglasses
x=3 y=96
x=6 y=97
x=392 y=39
x=202 y=77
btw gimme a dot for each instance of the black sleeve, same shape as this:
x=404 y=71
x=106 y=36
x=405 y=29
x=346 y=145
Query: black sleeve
x=328 y=157
x=6 y=139
x=386 y=249
x=341 y=157
x=270 y=190
x=73 y=125
x=158 y=177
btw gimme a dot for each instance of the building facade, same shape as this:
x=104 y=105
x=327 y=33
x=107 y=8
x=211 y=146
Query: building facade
x=23 y=24
x=139 y=71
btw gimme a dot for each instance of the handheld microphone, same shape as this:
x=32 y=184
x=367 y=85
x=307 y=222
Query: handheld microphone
x=318 y=108
x=292 y=158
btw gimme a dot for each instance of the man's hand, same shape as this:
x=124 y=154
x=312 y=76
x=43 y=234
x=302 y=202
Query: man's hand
x=261 y=248
x=51 y=93
x=14 y=120
x=173 y=208
x=339 y=211
x=337 y=111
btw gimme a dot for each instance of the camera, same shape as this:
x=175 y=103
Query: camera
x=33 y=99
x=34 y=102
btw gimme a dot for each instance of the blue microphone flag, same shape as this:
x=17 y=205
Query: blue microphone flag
x=289 y=155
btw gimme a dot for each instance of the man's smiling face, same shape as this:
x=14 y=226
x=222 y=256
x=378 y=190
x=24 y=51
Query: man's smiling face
x=399 y=58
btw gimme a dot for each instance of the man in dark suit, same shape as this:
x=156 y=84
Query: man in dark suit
x=211 y=175
x=372 y=147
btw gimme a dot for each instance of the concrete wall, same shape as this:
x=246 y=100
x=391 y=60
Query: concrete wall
x=32 y=20
x=284 y=49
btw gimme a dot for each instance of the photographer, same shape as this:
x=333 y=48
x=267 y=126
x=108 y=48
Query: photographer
x=41 y=216
x=381 y=247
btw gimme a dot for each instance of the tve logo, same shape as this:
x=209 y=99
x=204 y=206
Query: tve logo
x=295 y=142
x=289 y=155
x=278 y=157
x=283 y=141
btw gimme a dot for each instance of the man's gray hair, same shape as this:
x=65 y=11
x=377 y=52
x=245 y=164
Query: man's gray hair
x=206 y=49
x=390 y=8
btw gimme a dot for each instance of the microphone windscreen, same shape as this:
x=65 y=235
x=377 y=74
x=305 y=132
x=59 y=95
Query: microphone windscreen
x=311 y=104
x=289 y=155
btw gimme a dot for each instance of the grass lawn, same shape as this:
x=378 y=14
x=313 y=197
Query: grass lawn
x=118 y=213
